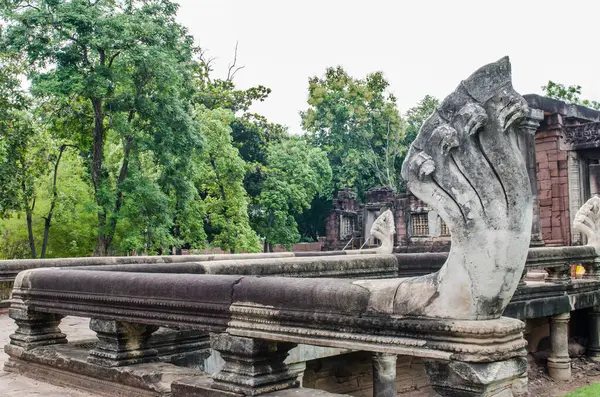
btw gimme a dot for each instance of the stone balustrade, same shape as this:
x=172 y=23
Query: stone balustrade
x=255 y=321
x=10 y=268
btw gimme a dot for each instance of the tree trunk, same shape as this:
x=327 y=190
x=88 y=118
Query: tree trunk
x=112 y=224
x=97 y=175
x=29 y=217
x=48 y=219
x=265 y=246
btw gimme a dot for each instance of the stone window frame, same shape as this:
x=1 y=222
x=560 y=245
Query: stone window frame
x=347 y=226
x=423 y=216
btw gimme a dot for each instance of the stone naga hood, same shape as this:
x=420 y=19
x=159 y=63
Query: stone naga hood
x=465 y=163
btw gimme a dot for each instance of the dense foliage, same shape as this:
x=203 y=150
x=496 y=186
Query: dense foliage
x=116 y=137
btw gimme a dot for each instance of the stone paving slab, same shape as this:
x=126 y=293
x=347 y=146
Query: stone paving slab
x=12 y=385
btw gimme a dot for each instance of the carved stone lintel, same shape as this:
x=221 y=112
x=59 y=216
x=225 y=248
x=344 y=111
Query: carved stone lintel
x=36 y=329
x=582 y=136
x=384 y=374
x=121 y=343
x=559 y=363
x=593 y=348
x=252 y=366
x=461 y=379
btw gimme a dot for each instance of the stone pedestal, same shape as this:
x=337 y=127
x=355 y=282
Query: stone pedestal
x=461 y=379
x=384 y=375
x=593 y=348
x=35 y=329
x=252 y=366
x=559 y=363
x=121 y=343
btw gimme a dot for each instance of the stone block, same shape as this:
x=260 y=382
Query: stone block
x=459 y=379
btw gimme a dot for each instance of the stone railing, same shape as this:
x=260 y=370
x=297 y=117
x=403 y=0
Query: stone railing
x=246 y=316
x=10 y=268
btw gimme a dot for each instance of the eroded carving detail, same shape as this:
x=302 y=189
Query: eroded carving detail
x=465 y=163
x=587 y=221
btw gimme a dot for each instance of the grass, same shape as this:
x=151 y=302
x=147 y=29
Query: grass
x=589 y=391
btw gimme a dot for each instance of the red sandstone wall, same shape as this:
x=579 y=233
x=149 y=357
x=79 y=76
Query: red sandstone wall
x=553 y=189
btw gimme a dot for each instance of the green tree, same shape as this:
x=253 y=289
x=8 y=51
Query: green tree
x=219 y=180
x=73 y=223
x=296 y=173
x=118 y=74
x=357 y=123
x=569 y=94
x=416 y=116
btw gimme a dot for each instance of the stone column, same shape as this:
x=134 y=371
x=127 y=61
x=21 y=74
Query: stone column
x=494 y=379
x=252 y=366
x=527 y=144
x=121 y=343
x=35 y=329
x=384 y=374
x=593 y=348
x=559 y=363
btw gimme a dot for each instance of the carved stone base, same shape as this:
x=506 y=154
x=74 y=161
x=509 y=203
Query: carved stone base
x=252 y=366
x=460 y=379
x=66 y=366
x=36 y=329
x=122 y=343
x=199 y=386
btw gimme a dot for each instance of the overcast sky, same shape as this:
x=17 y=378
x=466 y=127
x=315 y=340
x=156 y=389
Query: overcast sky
x=423 y=47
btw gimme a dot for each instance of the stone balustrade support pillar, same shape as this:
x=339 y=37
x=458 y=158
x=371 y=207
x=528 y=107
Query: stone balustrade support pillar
x=464 y=379
x=121 y=343
x=559 y=363
x=35 y=329
x=593 y=348
x=252 y=366
x=384 y=374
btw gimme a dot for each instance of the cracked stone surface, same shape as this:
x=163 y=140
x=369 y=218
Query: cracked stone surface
x=12 y=385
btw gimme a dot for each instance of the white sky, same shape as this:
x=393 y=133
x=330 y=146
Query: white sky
x=423 y=47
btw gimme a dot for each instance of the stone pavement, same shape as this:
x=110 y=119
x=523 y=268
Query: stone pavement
x=12 y=385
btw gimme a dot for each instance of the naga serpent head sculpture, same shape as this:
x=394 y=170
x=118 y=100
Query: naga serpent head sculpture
x=465 y=163
x=383 y=229
x=587 y=221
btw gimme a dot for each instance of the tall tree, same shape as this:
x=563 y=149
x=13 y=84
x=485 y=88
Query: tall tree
x=220 y=174
x=121 y=69
x=296 y=173
x=357 y=123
